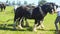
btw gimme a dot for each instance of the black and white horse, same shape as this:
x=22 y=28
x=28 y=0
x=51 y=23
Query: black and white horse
x=38 y=14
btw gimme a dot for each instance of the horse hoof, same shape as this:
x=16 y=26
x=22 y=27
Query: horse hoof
x=20 y=27
x=42 y=27
x=35 y=30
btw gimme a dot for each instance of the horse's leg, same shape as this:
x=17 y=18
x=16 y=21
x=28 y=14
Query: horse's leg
x=1 y=8
x=19 y=25
x=22 y=22
x=15 y=21
x=4 y=8
x=39 y=24
x=14 y=25
x=35 y=25
x=27 y=24
x=42 y=26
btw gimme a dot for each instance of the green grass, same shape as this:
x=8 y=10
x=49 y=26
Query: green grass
x=9 y=14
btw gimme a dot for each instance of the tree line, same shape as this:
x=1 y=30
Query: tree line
x=40 y=2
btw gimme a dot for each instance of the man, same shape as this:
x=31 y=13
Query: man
x=57 y=19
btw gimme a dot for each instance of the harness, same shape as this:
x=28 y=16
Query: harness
x=40 y=9
x=30 y=10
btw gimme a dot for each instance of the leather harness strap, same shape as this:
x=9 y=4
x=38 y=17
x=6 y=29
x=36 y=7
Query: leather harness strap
x=41 y=11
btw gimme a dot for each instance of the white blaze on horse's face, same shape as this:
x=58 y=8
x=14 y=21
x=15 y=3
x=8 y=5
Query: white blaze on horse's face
x=52 y=11
x=55 y=8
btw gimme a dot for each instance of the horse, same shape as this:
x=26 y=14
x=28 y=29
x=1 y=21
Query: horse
x=37 y=14
x=27 y=25
x=2 y=6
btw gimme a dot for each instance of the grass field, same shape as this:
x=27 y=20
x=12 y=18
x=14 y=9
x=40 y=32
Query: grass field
x=8 y=14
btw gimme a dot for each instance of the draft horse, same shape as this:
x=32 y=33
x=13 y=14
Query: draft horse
x=37 y=14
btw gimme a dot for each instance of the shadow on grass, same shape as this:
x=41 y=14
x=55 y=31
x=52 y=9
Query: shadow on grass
x=48 y=30
x=10 y=27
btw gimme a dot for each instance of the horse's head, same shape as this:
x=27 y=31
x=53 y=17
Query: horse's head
x=51 y=7
x=54 y=7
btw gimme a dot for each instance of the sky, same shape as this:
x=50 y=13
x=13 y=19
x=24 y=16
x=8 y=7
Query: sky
x=34 y=1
